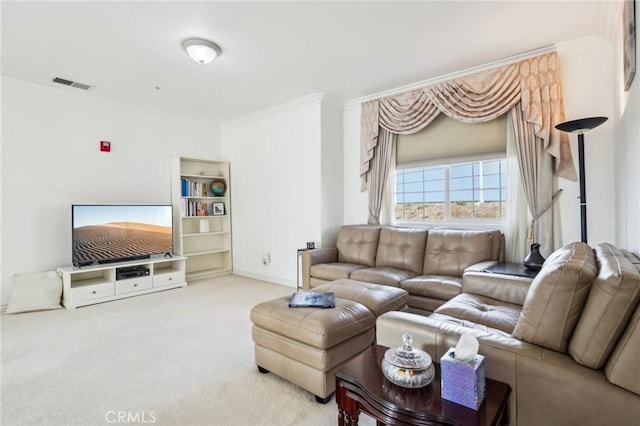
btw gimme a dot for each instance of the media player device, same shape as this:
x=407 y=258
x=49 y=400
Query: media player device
x=131 y=272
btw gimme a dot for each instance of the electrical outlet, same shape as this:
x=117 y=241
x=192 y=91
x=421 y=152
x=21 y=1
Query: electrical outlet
x=266 y=258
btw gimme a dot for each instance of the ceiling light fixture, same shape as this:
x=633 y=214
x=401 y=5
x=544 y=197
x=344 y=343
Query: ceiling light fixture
x=201 y=51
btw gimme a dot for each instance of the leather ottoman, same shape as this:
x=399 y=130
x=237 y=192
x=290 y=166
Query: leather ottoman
x=377 y=298
x=306 y=345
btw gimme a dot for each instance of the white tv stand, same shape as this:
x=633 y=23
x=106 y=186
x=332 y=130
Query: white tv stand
x=92 y=284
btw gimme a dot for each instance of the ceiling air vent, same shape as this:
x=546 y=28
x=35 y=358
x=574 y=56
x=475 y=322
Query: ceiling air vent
x=72 y=83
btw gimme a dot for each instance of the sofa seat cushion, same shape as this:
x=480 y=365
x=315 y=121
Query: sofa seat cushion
x=556 y=297
x=613 y=297
x=423 y=305
x=334 y=271
x=377 y=298
x=384 y=275
x=483 y=311
x=435 y=286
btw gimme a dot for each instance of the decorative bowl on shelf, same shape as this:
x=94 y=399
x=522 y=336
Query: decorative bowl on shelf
x=407 y=366
x=218 y=187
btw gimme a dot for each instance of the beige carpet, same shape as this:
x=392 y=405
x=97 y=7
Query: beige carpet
x=179 y=357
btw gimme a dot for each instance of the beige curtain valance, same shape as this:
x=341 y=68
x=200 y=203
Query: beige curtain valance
x=534 y=84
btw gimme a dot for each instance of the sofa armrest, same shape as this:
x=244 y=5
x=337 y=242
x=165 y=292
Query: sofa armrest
x=506 y=288
x=435 y=337
x=481 y=266
x=314 y=257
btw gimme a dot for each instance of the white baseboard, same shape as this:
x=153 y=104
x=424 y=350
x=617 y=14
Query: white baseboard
x=265 y=278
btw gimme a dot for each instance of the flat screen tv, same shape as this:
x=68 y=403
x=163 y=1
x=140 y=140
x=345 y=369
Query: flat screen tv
x=114 y=233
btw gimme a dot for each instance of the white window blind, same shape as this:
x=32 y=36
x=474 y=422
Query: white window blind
x=446 y=138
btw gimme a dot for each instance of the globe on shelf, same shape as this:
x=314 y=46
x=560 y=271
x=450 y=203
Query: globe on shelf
x=218 y=187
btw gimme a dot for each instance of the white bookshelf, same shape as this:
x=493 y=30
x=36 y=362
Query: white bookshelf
x=205 y=239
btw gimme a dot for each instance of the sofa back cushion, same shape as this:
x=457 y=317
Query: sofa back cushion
x=622 y=367
x=402 y=248
x=556 y=297
x=497 y=246
x=358 y=244
x=612 y=299
x=451 y=251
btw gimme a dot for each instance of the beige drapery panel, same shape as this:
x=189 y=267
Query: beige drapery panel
x=536 y=171
x=532 y=86
x=381 y=164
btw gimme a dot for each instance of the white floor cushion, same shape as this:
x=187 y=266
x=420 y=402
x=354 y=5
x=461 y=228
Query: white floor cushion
x=35 y=292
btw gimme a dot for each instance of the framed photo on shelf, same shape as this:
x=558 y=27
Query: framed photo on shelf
x=218 y=209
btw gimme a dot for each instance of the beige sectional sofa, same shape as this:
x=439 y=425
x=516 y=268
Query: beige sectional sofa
x=568 y=342
x=428 y=263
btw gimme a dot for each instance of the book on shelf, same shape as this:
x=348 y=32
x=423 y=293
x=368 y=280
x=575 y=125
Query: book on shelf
x=189 y=188
x=312 y=299
x=191 y=208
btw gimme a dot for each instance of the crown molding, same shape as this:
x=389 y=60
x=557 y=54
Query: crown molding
x=351 y=105
x=581 y=44
x=314 y=99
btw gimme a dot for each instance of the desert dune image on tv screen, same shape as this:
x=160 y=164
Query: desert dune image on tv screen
x=102 y=238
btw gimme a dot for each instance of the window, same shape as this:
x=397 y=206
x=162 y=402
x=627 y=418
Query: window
x=471 y=191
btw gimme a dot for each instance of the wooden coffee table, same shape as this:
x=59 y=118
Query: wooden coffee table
x=361 y=387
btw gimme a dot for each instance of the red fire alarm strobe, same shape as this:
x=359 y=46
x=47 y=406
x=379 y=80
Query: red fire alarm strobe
x=105 y=146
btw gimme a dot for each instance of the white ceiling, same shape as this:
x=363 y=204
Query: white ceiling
x=272 y=52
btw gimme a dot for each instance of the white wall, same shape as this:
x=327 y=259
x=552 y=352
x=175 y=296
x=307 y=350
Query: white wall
x=627 y=146
x=356 y=208
x=331 y=171
x=51 y=159
x=587 y=77
x=276 y=186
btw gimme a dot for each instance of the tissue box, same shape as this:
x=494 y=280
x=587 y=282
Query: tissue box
x=462 y=383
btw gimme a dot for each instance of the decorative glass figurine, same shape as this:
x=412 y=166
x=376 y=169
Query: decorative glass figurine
x=407 y=366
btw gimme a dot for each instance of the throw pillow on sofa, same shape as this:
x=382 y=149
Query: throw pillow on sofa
x=556 y=297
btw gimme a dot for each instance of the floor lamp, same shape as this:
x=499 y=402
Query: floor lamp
x=580 y=127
